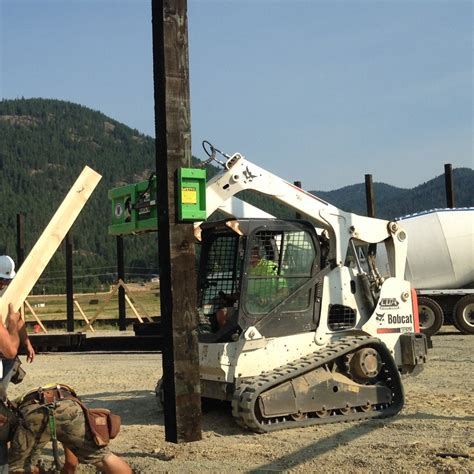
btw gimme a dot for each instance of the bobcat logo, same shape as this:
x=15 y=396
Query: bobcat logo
x=379 y=317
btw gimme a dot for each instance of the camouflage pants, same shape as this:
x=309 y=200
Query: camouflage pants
x=33 y=433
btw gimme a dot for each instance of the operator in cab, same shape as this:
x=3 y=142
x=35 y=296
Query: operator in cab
x=264 y=285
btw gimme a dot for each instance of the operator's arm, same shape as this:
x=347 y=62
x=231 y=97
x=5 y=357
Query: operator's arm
x=9 y=337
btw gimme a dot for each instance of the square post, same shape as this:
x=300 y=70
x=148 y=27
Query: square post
x=69 y=284
x=181 y=382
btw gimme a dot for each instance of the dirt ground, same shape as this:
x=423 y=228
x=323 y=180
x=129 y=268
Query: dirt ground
x=434 y=431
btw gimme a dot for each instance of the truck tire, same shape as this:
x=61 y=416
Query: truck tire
x=463 y=314
x=430 y=315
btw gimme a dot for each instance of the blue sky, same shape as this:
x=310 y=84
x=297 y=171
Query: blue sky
x=317 y=91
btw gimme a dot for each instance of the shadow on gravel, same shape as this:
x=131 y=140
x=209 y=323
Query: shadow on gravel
x=217 y=418
x=140 y=407
x=135 y=455
x=323 y=446
x=134 y=407
x=429 y=416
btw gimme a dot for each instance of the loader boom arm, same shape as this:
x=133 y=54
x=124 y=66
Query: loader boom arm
x=240 y=175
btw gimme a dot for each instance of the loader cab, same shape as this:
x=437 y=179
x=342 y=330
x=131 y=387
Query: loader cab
x=262 y=271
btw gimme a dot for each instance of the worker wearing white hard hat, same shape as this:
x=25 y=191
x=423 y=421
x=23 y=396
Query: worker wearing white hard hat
x=7 y=273
x=8 y=348
x=7 y=268
x=9 y=343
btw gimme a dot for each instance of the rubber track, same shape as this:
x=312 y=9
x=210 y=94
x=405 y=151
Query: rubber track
x=246 y=396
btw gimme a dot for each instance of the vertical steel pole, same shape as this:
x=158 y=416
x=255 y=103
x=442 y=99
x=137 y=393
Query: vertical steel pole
x=69 y=284
x=20 y=239
x=448 y=180
x=181 y=382
x=369 y=195
x=121 y=292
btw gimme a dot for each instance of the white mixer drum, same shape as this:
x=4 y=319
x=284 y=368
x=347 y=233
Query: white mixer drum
x=440 y=248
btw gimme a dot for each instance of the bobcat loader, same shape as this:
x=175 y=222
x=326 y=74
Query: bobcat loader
x=329 y=348
x=310 y=337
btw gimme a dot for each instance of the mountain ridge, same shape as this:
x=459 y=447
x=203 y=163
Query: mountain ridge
x=45 y=143
x=394 y=202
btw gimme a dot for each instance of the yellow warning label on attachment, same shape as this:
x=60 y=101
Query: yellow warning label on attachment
x=189 y=196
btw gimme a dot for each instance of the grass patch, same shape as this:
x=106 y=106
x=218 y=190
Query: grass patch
x=53 y=307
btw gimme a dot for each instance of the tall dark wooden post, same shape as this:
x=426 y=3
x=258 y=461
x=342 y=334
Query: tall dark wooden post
x=69 y=284
x=182 y=400
x=121 y=292
x=369 y=195
x=20 y=239
x=448 y=180
x=298 y=185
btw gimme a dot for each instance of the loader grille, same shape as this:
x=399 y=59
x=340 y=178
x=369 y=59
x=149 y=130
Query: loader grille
x=341 y=317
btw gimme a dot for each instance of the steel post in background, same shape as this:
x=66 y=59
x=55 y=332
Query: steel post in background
x=370 y=202
x=20 y=239
x=369 y=195
x=448 y=180
x=122 y=323
x=181 y=382
x=298 y=185
x=69 y=284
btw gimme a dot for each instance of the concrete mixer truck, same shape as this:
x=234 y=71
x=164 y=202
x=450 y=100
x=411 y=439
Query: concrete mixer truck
x=440 y=265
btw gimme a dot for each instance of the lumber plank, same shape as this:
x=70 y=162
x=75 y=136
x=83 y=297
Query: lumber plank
x=130 y=293
x=127 y=299
x=101 y=308
x=83 y=315
x=32 y=311
x=49 y=241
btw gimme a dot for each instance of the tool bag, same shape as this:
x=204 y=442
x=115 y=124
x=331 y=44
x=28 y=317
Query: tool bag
x=104 y=424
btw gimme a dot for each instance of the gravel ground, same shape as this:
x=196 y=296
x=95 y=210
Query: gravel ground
x=434 y=431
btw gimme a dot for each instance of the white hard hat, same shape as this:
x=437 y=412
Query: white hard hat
x=7 y=267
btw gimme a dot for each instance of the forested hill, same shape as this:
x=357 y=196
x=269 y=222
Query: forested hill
x=44 y=144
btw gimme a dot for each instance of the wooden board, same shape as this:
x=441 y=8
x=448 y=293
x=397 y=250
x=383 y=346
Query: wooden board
x=49 y=241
